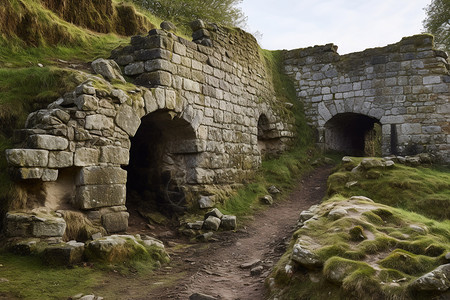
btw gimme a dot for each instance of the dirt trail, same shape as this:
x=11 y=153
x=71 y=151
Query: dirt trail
x=214 y=268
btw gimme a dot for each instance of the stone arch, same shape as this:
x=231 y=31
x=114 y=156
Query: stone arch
x=353 y=134
x=161 y=162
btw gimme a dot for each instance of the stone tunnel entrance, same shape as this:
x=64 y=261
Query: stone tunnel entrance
x=353 y=134
x=159 y=163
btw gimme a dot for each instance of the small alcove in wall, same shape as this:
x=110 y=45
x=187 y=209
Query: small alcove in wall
x=353 y=134
x=269 y=143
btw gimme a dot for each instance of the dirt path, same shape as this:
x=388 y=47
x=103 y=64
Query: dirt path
x=214 y=268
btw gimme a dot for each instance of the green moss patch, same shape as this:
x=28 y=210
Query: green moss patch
x=425 y=190
x=368 y=249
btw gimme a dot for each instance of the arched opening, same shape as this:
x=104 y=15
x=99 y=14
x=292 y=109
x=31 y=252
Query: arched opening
x=353 y=134
x=160 y=155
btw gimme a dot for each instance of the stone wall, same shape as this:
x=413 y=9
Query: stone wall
x=191 y=123
x=405 y=87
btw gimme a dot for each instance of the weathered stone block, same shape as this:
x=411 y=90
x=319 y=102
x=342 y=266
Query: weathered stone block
x=48 y=226
x=47 y=142
x=101 y=175
x=93 y=196
x=29 y=173
x=211 y=223
x=86 y=157
x=134 y=68
x=128 y=120
x=108 y=69
x=49 y=175
x=155 y=78
x=150 y=102
x=115 y=222
x=114 y=155
x=27 y=157
x=159 y=65
x=63 y=255
x=98 y=122
x=228 y=222
x=60 y=159
x=206 y=202
x=86 y=102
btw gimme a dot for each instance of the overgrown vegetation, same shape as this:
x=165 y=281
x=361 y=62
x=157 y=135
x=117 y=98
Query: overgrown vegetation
x=437 y=22
x=183 y=12
x=425 y=190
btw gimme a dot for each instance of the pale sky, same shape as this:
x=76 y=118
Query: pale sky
x=352 y=25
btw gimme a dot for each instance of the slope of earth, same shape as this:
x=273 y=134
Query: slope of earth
x=215 y=268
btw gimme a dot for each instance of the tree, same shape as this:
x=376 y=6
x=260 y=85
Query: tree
x=437 y=22
x=182 y=12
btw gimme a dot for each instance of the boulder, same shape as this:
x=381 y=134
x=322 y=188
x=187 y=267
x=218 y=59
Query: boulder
x=204 y=237
x=267 y=199
x=228 y=222
x=305 y=215
x=211 y=223
x=119 y=248
x=370 y=163
x=168 y=26
x=273 y=190
x=215 y=213
x=436 y=280
x=108 y=69
x=305 y=257
x=337 y=213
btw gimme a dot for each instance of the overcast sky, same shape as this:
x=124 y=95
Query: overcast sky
x=352 y=25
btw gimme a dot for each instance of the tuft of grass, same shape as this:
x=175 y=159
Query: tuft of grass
x=409 y=263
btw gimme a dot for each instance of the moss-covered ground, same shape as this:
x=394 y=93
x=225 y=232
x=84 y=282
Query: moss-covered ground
x=373 y=250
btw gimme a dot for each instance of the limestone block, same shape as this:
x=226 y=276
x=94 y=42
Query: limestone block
x=159 y=65
x=60 y=159
x=101 y=175
x=108 y=69
x=86 y=157
x=431 y=129
x=228 y=222
x=206 y=202
x=134 y=68
x=27 y=157
x=94 y=196
x=411 y=128
x=49 y=175
x=124 y=60
x=63 y=254
x=48 y=226
x=215 y=213
x=431 y=79
x=114 y=155
x=155 y=78
x=86 y=102
x=120 y=95
x=18 y=225
x=150 y=102
x=115 y=222
x=436 y=280
x=47 y=142
x=128 y=120
x=211 y=223
x=29 y=173
x=160 y=95
x=98 y=122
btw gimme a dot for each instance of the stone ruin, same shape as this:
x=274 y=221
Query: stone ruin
x=199 y=119
x=404 y=88
x=202 y=115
